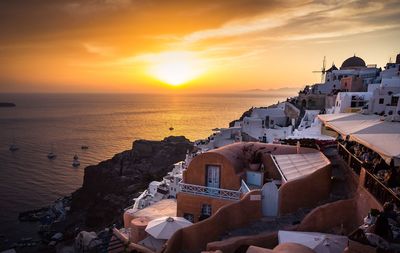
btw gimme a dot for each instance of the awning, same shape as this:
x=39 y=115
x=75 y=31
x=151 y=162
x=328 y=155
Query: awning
x=382 y=137
x=349 y=123
x=294 y=166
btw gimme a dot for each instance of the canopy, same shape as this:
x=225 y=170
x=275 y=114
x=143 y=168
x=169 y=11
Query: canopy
x=381 y=136
x=152 y=243
x=165 y=227
x=293 y=166
x=319 y=242
x=348 y=123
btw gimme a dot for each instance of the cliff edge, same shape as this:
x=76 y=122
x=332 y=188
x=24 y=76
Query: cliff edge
x=110 y=186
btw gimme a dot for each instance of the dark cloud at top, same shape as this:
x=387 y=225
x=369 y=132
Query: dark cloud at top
x=43 y=19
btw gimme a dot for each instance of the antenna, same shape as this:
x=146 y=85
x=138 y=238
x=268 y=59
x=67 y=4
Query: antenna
x=323 y=70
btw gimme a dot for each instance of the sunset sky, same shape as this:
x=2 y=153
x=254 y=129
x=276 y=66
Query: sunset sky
x=209 y=46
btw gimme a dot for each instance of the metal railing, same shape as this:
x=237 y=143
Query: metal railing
x=244 y=188
x=380 y=191
x=376 y=187
x=351 y=160
x=210 y=191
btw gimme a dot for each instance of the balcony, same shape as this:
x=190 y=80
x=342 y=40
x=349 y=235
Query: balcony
x=210 y=191
x=381 y=192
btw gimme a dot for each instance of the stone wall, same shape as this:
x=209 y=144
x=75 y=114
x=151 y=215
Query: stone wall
x=195 y=238
x=306 y=191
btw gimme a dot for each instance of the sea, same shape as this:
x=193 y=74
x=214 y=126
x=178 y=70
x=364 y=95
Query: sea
x=107 y=124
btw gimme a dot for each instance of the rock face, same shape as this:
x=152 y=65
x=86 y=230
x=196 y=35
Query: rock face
x=111 y=185
x=245 y=114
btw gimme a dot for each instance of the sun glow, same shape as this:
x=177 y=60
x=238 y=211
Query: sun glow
x=176 y=68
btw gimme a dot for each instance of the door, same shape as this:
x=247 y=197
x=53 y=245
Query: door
x=270 y=199
x=213 y=178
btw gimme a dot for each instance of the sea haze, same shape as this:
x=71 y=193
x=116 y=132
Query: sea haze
x=106 y=123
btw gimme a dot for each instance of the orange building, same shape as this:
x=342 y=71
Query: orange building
x=222 y=176
x=352 y=84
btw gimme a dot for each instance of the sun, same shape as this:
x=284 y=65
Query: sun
x=176 y=68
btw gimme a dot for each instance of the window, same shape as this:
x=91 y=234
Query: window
x=206 y=209
x=381 y=101
x=189 y=217
x=394 y=101
x=205 y=212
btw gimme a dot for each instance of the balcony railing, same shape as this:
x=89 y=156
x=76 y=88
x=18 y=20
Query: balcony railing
x=353 y=162
x=210 y=191
x=244 y=188
x=380 y=191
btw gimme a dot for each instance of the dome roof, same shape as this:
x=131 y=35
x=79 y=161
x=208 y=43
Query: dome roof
x=353 y=62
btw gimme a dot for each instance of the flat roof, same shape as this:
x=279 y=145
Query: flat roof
x=294 y=166
x=162 y=208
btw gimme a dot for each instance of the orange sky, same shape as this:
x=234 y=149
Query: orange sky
x=124 y=45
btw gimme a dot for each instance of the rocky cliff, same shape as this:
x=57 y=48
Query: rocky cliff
x=111 y=185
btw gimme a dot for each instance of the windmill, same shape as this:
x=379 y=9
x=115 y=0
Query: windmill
x=322 y=71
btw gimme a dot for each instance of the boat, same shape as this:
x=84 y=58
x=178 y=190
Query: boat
x=171 y=128
x=51 y=155
x=76 y=162
x=7 y=104
x=13 y=147
x=84 y=147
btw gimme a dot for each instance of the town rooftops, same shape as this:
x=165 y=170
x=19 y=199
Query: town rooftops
x=294 y=166
x=238 y=153
x=165 y=207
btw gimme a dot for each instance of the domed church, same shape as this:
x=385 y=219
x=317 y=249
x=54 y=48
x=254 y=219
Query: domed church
x=353 y=62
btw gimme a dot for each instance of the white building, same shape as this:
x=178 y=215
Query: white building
x=351 y=101
x=268 y=124
x=351 y=67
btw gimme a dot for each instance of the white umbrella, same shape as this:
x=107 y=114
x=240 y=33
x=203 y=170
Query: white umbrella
x=319 y=242
x=152 y=243
x=165 y=227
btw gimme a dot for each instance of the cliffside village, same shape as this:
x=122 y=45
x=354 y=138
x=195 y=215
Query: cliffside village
x=316 y=173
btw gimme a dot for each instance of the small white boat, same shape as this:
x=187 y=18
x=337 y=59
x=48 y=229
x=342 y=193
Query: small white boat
x=76 y=162
x=51 y=155
x=13 y=147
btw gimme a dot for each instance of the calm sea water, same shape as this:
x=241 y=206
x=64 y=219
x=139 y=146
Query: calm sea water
x=108 y=124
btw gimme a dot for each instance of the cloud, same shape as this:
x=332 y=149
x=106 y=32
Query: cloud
x=99 y=50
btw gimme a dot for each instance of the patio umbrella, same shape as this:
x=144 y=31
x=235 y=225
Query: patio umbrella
x=319 y=242
x=165 y=227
